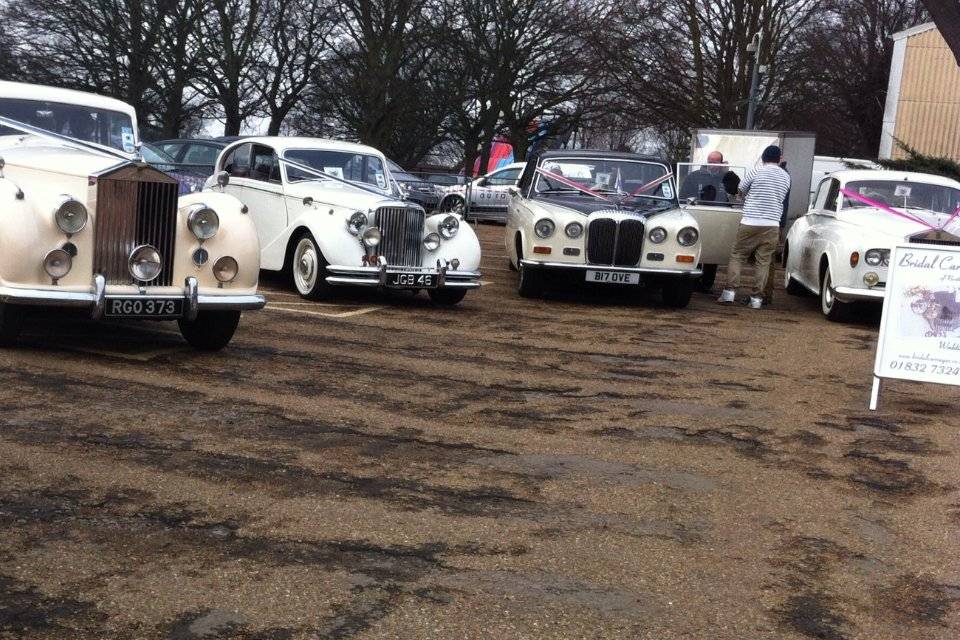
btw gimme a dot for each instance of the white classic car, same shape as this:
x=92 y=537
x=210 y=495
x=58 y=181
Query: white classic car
x=489 y=194
x=325 y=213
x=602 y=217
x=88 y=224
x=840 y=249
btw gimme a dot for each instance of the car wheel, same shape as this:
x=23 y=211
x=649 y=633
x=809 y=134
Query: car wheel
x=453 y=204
x=531 y=282
x=447 y=297
x=309 y=269
x=833 y=309
x=11 y=323
x=708 y=278
x=211 y=331
x=677 y=295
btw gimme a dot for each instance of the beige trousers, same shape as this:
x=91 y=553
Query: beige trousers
x=759 y=242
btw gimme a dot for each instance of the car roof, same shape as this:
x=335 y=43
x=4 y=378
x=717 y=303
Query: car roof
x=849 y=175
x=26 y=91
x=599 y=153
x=208 y=141
x=282 y=143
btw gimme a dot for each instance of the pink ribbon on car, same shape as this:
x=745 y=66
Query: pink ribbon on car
x=652 y=184
x=888 y=209
x=570 y=183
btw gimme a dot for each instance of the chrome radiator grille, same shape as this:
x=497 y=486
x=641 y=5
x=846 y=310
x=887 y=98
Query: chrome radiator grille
x=401 y=231
x=134 y=207
x=614 y=243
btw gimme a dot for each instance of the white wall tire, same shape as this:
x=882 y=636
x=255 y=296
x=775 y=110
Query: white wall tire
x=832 y=309
x=308 y=268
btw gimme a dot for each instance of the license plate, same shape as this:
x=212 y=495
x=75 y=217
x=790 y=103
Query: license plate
x=613 y=277
x=137 y=307
x=412 y=280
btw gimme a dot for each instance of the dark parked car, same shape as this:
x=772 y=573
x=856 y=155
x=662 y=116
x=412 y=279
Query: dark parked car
x=415 y=189
x=188 y=177
x=201 y=155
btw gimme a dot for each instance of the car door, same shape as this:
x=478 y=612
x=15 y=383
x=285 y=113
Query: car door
x=492 y=191
x=264 y=196
x=817 y=222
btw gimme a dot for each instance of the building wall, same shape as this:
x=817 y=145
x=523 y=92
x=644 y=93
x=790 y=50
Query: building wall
x=928 y=105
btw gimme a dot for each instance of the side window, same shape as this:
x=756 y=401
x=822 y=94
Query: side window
x=821 y=197
x=504 y=178
x=265 y=164
x=200 y=154
x=173 y=148
x=237 y=162
x=832 y=194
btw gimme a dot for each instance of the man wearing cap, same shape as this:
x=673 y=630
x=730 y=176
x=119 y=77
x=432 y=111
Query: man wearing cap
x=764 y=191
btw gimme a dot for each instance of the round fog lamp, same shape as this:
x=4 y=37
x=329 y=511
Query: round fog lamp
x=449 y=227
x=871 y=278
x=225 y=269
x=657 y=235
x=57 y=263
x=573 y=230
x=371 y=237
x=144 y=263
x=200 y=257
x=71 y=215
x=688 y=236
x=203 y=221
x=431 y=242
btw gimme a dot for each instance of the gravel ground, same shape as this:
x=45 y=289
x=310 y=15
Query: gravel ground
x=587 y=466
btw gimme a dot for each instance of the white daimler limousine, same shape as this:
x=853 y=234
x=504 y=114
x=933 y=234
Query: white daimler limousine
x=603 y=218
x=88 y=224
x=840 y=249
x=327 y=213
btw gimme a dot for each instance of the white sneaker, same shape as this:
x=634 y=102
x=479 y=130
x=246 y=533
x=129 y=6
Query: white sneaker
x=727 y=296
x=755 y=302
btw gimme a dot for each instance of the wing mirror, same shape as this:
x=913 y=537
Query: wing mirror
x=513 y=190
x=691 y=201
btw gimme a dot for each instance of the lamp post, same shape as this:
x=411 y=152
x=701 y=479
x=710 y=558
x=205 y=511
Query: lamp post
x=754 y=48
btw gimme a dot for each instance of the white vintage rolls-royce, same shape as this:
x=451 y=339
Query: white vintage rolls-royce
x=840 y=249
x=326 y=212
x=602 y=217
x=489 y=194
x=88 y=224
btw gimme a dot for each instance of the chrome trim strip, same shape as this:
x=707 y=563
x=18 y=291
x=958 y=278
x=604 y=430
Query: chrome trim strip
x=94 y=300
x=600 y=267
x=853 y=293
x=377 y=276
x=233 y=303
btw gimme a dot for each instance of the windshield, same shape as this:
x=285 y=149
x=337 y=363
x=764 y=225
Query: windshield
x=605 y=176
x=155 y=155
x=906 y=195
x=347 y=165
x=109 y=128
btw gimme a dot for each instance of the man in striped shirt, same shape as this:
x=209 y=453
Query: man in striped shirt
x=764 y=191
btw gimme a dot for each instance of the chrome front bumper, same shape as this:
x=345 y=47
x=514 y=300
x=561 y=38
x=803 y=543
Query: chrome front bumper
x=447 y=277
x=855 y=294
x=643 y=271
x=96 y=299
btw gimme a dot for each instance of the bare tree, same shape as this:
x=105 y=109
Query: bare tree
x=231 y=35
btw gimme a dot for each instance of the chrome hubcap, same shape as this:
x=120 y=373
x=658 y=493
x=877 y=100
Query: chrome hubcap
x=827 y=293
x=305 y=262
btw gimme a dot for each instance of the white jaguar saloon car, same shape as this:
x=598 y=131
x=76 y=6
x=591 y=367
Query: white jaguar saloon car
x=327 y=213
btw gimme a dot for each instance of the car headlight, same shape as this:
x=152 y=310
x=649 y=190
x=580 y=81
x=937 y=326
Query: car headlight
x=70 y=215
x=544 y=227
x=877 y=257
x=225 y=269
x=57 y=263
x=573 y=230
x=431 y=242
x=657 y=235
x=688 y=236
x=449 y=227
x=144 y=263
x=203 y=221
x=371 y=237
x=357 y=221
